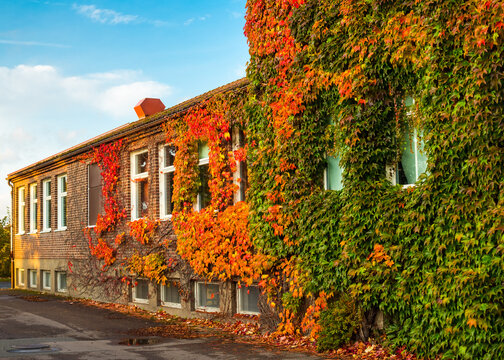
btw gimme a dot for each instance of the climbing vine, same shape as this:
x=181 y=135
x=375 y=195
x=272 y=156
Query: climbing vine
x=331 y=78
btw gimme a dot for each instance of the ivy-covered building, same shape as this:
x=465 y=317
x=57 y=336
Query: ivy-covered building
x=368 y=144
x=96 y=220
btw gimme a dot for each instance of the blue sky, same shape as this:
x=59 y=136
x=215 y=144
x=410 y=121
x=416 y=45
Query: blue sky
x=72 y=70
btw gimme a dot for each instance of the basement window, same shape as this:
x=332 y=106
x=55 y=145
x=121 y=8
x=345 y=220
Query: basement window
x=139 y=184
x=141 y=291
x=32 y=275
x=61 y=281
x=207 y=297
x=20 y=275
x=248 y=300
x=46 y=279
x=170 y=296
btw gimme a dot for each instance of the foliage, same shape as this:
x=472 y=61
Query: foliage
x=330 y=77
x=339 y=322
x=5 y=260
x=214 y=240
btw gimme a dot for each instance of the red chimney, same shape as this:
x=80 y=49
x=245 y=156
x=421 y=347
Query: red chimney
x=148 y=106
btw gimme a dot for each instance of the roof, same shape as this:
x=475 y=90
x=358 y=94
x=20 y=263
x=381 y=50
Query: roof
x=126 y=129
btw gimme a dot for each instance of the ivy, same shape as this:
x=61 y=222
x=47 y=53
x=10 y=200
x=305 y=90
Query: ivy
x=330 y=77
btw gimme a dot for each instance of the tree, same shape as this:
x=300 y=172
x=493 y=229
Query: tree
x=4 y=247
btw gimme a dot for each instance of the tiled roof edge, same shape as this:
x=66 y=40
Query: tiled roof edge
x=126 y=129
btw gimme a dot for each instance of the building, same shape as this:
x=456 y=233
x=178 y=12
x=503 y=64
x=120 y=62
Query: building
x=56 y=201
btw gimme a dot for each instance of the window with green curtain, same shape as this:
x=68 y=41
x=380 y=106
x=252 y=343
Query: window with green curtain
x=334 y=176
x=413 y=158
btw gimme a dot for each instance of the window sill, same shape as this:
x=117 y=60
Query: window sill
x=171 y=305
x=207 y=309
x=62 y=229
x=166 y=218
x=252 y=313
x=33 y=233
x=46 y=288
x=21 y=233
x=62 y=290
x=141 y=301
x=45 y=231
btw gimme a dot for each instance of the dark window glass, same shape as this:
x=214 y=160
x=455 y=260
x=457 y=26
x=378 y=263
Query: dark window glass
x=249 y=299
x=142 y=290
x=204 y=192
x=142 y=197
x=169 y=156
x=208 y=295
x=94 y=193
x=168 y=192
x=142 y=163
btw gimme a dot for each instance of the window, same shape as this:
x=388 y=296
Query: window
x=248 y=299
x=62 y=202
x=141 y=291
x=167 y=172
x=21 y=210
x=46 y=279
x=20 y=277
x=32 y=275
x=94 y=193
x=204 y=196
x=333 y=177
x=46 y=205
x=413 y=158
x=33 y=208
x=242 y=170
x=61 y=281
x=139 y=184
x=170 y=295
x=207 y=297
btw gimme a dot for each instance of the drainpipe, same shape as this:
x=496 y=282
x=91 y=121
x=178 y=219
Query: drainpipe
x=12 y=234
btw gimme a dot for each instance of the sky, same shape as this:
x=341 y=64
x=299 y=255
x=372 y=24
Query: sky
x=72 y=70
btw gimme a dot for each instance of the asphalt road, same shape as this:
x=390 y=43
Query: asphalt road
x=58 y=329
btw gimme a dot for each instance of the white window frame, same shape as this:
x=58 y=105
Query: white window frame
x=61 y=195
x=58 y=281
x=134 y=293
x=239 y=310
x=168 y=303
x=134 y=179
x=46 y=214
x=20 y=277
x=392 y=171
x=44 y=285
x=197 y=305
x=162 y=185
x=21 y=210
x=30 y=278
x=33 y=208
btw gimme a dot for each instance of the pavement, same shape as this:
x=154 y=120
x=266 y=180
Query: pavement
x=5 y=284
x=35 y=326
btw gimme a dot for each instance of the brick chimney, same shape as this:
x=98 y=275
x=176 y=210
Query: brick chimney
x=148 y=106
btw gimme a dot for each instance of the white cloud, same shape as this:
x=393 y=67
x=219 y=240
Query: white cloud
x=199 y=18
x=112 y=17
x=104 y=16
x=42 y=111
x=32 y=43
x=240 y=71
